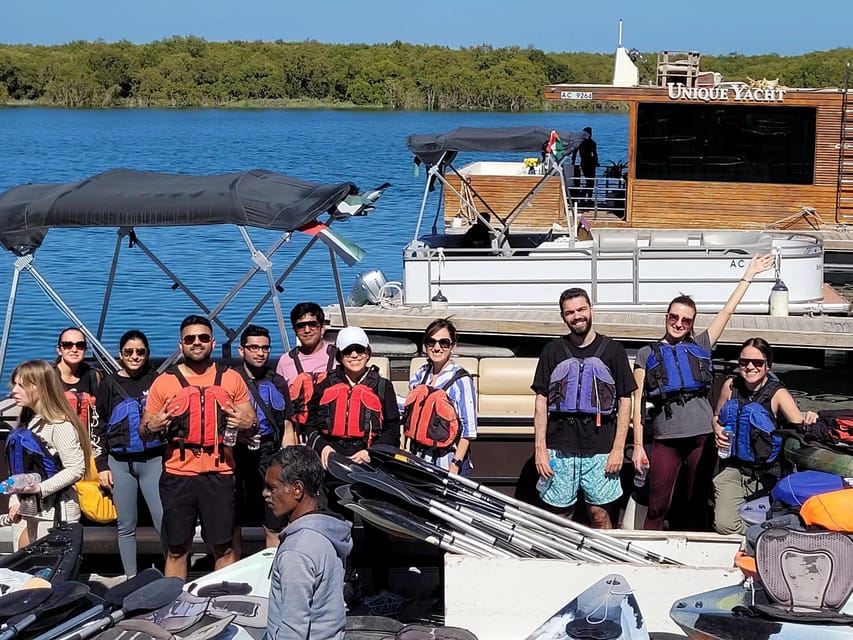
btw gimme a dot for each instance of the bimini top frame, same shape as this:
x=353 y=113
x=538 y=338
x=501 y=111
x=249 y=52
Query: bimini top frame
x=438 y=152
x=129 y=199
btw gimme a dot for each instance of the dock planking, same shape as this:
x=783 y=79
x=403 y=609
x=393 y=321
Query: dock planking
x=813 y=332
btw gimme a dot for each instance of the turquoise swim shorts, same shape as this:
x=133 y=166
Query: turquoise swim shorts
x=585 y=472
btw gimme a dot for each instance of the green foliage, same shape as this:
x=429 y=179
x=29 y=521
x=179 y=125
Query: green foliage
x=190 y=72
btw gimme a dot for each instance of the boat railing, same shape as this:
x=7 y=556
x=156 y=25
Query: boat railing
x=600 y=197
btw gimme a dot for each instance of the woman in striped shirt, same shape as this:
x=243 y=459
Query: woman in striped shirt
x=61 y=455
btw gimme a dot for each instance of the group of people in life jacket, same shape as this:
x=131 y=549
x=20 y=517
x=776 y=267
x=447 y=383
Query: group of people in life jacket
x=588 y=400
x=198 y=440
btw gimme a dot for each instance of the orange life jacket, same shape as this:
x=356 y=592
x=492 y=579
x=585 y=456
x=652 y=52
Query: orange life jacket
x=197 y=420
x=832 y=510
x=301 y=388
x=351 y=411
x=430 y=419
x=83 y=406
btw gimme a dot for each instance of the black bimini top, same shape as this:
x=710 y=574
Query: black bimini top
x=431 y=148
x=130 y=198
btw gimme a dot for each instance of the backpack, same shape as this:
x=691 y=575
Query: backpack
x=26 y=452
x=302 y=386
x=122 y=430
x=582 y=385
x=197 y=421
x=795 y=488
x=352 y=411
x=677 y=372
x=755 y=437
x=430 y=418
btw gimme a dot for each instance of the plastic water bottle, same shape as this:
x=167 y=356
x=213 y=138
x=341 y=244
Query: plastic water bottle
x=229 y=438
x=19 y=483
x=543 y=483
x=725 y=453
x=642 y=475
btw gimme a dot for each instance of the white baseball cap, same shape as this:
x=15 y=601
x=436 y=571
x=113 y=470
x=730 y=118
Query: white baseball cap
x=349 y=336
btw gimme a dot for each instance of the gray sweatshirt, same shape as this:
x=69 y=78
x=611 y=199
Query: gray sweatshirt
x=307 y=588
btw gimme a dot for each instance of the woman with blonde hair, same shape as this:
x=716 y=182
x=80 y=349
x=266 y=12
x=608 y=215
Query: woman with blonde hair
x=48 y=440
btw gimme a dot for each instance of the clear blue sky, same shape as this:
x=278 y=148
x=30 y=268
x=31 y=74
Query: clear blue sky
x=786 y=27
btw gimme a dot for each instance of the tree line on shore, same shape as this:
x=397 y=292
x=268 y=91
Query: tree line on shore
x=191 y=72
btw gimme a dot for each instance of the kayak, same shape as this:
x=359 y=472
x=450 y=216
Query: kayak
x=607 y=610
x=724 y=614
x=55 y=557
x=818 y=458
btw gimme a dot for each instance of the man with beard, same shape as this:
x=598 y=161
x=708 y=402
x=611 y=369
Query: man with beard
x=272 y=431
x=583 y=385
x=191 y=405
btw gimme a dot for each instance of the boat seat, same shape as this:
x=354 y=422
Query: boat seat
x=616 y=241
x=669 y=239
x=383 y=363
x=504 y=390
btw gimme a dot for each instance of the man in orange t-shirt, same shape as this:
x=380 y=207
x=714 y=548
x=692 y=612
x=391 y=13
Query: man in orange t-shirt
x=197 y=481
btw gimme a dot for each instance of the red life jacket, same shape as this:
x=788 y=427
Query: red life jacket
x=83 y=406
x=351 y=411
x=197 y=421
x=302 y=386
x=430 y=419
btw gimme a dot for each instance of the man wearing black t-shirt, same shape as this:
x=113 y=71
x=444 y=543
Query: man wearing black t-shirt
x=583 y=385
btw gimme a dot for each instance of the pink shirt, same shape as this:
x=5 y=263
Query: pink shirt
x=313 y=363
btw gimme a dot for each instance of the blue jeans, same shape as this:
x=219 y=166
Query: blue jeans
x=128 y=479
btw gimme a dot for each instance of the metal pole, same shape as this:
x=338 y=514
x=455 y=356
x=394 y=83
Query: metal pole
x=110 y=281
x=105 y=358
x=10 y=309
x=337 y=278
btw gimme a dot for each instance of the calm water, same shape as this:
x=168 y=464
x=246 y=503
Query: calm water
x=367 y=148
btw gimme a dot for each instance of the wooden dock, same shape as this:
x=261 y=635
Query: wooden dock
x=813 y=332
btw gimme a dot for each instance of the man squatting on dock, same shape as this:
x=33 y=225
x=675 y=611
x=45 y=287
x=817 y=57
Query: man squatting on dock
x=583 y=385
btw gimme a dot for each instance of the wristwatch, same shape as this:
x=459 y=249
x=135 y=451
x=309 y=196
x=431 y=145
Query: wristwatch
x=456 y=461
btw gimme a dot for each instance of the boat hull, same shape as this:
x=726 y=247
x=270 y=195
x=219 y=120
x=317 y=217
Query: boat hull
x=709 y=616
x=621 y=269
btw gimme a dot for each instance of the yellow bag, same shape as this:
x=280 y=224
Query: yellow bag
x=95 y=503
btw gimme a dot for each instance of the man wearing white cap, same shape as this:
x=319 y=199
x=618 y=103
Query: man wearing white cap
x=352 y=409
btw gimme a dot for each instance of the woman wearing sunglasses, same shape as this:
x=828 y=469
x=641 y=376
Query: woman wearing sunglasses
x=126 y=464
x=441 y=372
x=350 y=410
x=751 y=405
x=675 y=375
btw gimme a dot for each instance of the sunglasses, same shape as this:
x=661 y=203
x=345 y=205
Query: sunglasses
x=444 y=343
x=674 y=318
x=306 y=324
x=755 y=362
x=129 y=351
x=254 y=348
x=68 y=344
x=355 y=348
x=190 y=338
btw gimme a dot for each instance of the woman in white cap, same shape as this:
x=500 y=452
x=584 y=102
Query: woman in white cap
x=351 y=410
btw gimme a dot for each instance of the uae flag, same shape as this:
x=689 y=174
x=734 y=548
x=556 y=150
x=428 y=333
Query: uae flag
x=347 y=250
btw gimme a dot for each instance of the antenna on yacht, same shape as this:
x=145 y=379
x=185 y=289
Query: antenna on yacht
x=439 y=300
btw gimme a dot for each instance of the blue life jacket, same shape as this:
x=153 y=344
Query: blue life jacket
x=676 y=372
x=123 y=425
x=27 y=453
x=271 y=396
x=582 y=385
x=755 y=436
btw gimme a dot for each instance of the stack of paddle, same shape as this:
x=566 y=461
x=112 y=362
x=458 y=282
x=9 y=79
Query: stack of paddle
x=405 y=495
x=68 y=611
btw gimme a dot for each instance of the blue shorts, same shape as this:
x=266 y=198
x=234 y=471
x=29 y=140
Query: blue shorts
x=585 y=472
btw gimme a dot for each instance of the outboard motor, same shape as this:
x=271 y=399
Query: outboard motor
x=366 y=288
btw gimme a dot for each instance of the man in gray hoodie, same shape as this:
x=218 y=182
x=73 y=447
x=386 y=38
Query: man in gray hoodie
x=307 y=591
